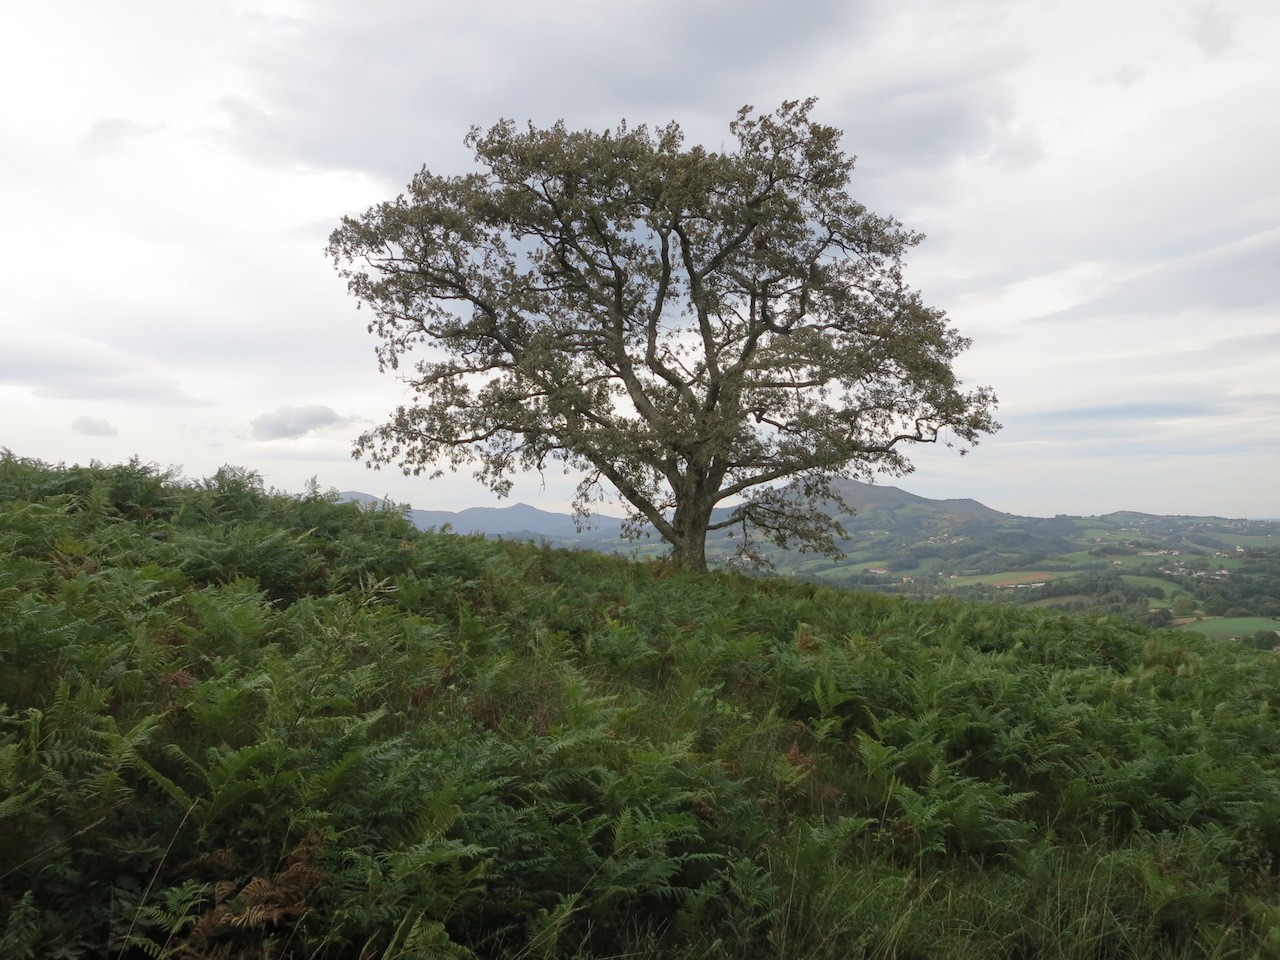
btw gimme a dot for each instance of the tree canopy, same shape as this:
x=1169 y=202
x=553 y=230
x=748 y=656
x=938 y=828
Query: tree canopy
x=717 y=335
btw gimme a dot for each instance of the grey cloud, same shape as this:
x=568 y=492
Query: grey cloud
x=929 y=121
x=67 y=385
x=1230 y=351
x=1199 y=421
x=1213 y=30
x=413 y=78
x=1177 y=258
x=1127 y=76
x=909 y=135
x=290 y=423
x=108 y=134
x=1141 y=411
x=1222 y=355
x=94 y=428
x=86 y=370
x=1234 y=277
x=1173 y=376
x=1127 y=423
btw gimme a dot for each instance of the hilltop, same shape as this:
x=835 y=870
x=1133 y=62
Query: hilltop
x=1135 y=564
x=240 y=723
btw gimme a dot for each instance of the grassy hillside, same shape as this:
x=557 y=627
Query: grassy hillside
x=905 y=544
x=238 y=724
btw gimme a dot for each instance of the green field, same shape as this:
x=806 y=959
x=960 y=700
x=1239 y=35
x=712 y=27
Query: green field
x=1221 y=628
x=1235 y=539
x=1081 y=557
x=1006 y=578
x=1138 y=563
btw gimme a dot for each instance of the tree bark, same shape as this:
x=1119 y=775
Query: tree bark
x=689 y=551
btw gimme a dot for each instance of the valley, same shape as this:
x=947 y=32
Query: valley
x=1218 y=576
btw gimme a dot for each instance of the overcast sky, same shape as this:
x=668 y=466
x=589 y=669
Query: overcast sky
x=1099 y=182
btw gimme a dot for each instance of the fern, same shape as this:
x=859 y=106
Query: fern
x=238 y=723
x=20 y=934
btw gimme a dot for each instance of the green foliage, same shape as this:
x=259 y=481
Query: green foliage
x=234 y=723
x=751 y=312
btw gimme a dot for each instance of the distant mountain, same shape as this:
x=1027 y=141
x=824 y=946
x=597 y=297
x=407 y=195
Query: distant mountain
x=875 y=507
x=519 y=521
x=888 y=529
x=867 y=498
x=1127 y=562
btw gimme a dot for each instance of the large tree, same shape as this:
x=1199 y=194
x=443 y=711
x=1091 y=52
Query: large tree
x=696 y=328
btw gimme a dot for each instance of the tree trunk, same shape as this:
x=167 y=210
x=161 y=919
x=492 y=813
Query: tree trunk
x=691 y=553
x=689 y=550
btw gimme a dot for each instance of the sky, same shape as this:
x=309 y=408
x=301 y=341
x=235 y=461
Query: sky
x=1098 y=181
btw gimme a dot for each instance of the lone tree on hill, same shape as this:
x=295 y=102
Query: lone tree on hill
x=697 y=328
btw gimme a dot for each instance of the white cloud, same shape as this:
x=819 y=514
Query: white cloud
x=94 y=428
x=292 y=422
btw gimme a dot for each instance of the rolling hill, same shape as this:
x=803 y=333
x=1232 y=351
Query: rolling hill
x=238 y=723
x=1128 y=562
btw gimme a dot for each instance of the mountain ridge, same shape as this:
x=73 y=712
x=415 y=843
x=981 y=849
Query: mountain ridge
x=520 y=519
x=511 y=521
x=882 y=508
